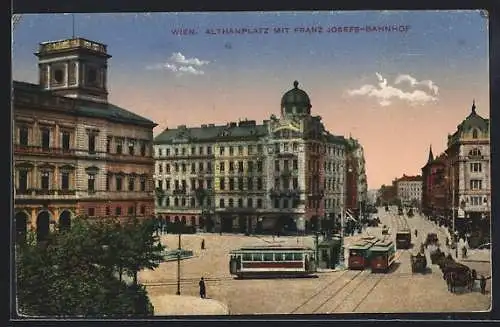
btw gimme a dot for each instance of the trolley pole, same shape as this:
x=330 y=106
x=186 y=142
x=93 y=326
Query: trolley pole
x=316 y=243
x=179 y=262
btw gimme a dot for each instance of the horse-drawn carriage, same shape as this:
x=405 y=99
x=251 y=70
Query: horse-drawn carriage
x=437 y=256
x=418 y=263
x=432 y=239
x=410 y=213
x=456 y=274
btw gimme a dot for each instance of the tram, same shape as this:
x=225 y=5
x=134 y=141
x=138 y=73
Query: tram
x=382 y=256
x=403 y=239
x=359 y=253
x=272 y=261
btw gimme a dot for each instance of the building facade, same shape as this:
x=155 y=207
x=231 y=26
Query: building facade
x=76 y=154
x=286 y=174
x=356 y=185
x=409 y=190
x=469 y=179
x=434 y=186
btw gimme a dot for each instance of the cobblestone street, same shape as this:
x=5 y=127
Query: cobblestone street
x=331 y=292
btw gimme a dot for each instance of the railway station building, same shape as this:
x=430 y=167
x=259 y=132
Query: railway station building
x=286 y=174
x=76 y=154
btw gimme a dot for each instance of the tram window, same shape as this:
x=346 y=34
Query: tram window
x=297 y=256
x=268 y=257
x=247 y=257
x=288 y=256
x=355 y=253
x=278 y=256
x=257 y=256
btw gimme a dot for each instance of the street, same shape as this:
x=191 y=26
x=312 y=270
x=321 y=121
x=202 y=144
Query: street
x=331 y=292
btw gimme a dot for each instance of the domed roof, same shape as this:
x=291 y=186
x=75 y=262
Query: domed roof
x=296 y=101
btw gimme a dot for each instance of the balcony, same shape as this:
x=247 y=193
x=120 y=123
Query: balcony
x=179 y=192
x=44 y=194
x=38 y=150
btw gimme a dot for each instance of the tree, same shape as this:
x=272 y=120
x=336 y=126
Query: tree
x=74 y=271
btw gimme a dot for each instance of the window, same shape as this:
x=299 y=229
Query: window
x=118 y=211
x=176 y=167
x=259 y=203
x=279 y=256
x=193 y=168
x=176 y=150
x=276 y=203
x=295 y=183
x=250 y=166
x=268 y=257
x=143 y=184
x=65 y=141
x=91 y=144
x=285 y=203
x=200 y=150
x=91 y=183
x=209 y=183
x=231 y=184
x=184 y=169
x=183 y=184
x=259 y=183
x=209 y=167
x=249 y=183
x=160 y=168
x=131 y=183
x=476 y=184
x=167 y=184
x=193 y=150
x=108 y=211
x=240 y=166
x=297 y=256
x=160 y=152
x=167 y=168
x=285 y=165
x=183 y=151
x=192 y=202
x=276 y=148
x=231 y=203
x=176 y=202
x=474 y=153
x=250 y=149
x=240 y=150
x=143 y=209
x=209 y=150
x=167 y=152
x=22 y=180
x=259 y=166
x=91 y=76
x=45 y=139
x=288 y=256
x=475 y=200
x=64 y=181
x=160 y=184
x=23 y=136
x=475 y=167
x=231 y=151
x=474 y=134
x=143 y=149
x=221 y=203
x=130 y=210
x=256 y=256
x=45 y=180
x=119 y=181
x=108 y=144
x=91 y=212
x=247 y=257
x=240 y=203
x=108 y=182
x=260 y=148
x=221 y=167
x=200 y=167
x=119 y=146
x=131 y=147
x=221 y=150
x=58 y=76
x=240 y=183
x=276 y=165
x=231 y=166
x=250 y=202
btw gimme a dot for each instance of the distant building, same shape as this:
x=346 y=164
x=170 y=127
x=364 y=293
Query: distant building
x=288 y=173
x=469 y=176
x=434 y=186
x=387 y=195
x=76 y=154
x=409 y=190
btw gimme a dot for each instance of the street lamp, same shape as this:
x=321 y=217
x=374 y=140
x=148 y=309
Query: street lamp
x=179 y=231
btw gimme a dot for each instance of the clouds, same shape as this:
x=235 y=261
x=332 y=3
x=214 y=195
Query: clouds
x=179 y=64
x=386 y=94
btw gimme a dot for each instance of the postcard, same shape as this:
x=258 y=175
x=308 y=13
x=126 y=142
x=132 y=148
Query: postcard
x=251 y=163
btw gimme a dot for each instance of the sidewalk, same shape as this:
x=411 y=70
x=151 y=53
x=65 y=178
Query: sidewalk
x=180 y=305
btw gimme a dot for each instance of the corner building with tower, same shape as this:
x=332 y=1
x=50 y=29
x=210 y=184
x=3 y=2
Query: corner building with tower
x=287 y=174
x=76 y=154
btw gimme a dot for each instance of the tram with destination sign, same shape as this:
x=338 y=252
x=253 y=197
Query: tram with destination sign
x=272 y=261
x=382 y=256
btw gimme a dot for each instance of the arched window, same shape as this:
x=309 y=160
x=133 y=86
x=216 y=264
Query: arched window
x=474 y=134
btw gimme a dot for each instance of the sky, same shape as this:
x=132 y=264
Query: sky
x=396 y=91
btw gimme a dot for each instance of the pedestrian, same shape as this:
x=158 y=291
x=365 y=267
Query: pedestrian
x=482 y=284
x=203 y=291
x=464 y=252
x=416 y=233
x=447 y=242
x=203 y=244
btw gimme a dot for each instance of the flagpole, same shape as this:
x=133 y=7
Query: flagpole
x=73 y=22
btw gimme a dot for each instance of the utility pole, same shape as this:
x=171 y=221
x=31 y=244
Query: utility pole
x=179 y=260
x=455 y=235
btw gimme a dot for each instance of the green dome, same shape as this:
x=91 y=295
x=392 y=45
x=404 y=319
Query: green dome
x=295 y=101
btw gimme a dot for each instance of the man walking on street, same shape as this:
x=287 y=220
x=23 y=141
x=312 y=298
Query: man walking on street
x=203 y=292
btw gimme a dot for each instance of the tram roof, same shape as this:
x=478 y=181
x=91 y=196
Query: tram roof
x=382 y=246
x=273 y=248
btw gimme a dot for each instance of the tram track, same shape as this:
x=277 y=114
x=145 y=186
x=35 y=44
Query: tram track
x=340 y=300
x=185 y=281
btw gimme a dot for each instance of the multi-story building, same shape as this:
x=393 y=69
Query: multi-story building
x=287 y=173
x=387 y=194
x=409 y=190
x=356 y=184
x=434 y=186
x=468 y=159
x=74 y=152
